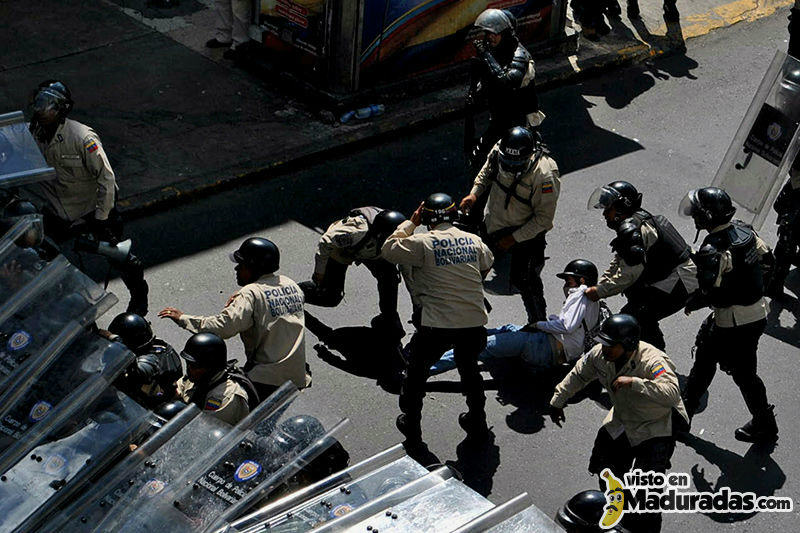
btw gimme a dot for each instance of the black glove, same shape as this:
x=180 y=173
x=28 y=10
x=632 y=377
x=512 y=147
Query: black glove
x=102 y=231
x=480 y=47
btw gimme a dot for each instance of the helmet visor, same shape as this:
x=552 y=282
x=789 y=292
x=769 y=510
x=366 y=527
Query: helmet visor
x=686 y=207
x=602 y=198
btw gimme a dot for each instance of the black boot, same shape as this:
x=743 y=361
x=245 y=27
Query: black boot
x=762 y=428
x=411 y=428
x=474 y=425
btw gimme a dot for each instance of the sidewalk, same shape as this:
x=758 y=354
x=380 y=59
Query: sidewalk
x=177 y=119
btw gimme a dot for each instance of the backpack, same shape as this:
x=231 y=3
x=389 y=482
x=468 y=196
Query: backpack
x=590 y=333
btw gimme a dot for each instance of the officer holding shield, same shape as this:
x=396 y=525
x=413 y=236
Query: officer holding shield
x=522 y=183
x=446 y=281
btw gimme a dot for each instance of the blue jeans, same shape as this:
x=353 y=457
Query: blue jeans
x=507 y=341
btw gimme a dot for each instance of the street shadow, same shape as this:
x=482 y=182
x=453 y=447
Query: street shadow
x=754 y=472
x=477 y=462
x=790 y=303
x=358 y=350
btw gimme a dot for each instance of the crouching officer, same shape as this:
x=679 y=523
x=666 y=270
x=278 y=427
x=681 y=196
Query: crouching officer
x=357 y=238
x=447 y=270
x=638 y=431
x=787 y=205
x=730 y=276
x=522 y=183
x=652 y=265
x=151 y=377
x=266 y=313
x=210 y=384
x=85 y=189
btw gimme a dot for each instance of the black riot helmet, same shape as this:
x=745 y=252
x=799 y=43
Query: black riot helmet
x=259 y=253
x=580 y=268
x=169 y=410
x=298 y=432
x=620 y=195
x=206 y=350
x=516 y=148
x=582 y=513
x=50 y=103
x=385 y=223
x=708 y=207
x=787 y=98
x=629 y=243
x=13 y=213
x=133 y=330
x=620 y=329
x=496 y=21
x=437 y=208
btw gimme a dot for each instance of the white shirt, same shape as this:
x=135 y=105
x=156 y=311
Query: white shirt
x=568 y=326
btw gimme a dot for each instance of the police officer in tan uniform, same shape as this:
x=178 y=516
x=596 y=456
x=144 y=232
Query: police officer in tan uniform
x=85 y=188
x=647 y=411
x=652 y=266
x=357 y=238
x=207 y=383
x=447 y=270
x=267 y=314
x=523 y=186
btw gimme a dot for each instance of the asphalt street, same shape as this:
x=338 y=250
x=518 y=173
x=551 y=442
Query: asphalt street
x=664 y=127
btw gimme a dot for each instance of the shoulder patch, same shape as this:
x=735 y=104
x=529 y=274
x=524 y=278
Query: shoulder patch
x=658 y=370
x=213 y=404
x=547 y=187
x=91 y=146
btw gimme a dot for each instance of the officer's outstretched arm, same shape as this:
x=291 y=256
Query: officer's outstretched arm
x=583 y=373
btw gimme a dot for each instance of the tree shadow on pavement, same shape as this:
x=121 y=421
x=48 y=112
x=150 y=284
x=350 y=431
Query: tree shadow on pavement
x=756 y=472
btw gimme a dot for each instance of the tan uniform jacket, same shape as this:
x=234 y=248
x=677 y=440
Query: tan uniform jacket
x=227 y=401
x=619 y=275
x=339 y=240
x=728 y=317
x=84 y=183
x=540 y=185
x=268 y=316
x=446 y=265
x=643 y=410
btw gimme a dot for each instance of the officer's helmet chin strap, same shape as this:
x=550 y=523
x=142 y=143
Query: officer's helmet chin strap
x=696 y=236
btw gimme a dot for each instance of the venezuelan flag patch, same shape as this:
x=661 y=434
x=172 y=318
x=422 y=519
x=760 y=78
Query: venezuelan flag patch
x=658 y=370
x=547 y=187
x=212 y=404
x=91 y=146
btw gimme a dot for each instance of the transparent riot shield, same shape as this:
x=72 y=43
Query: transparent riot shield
x=244 y=467
x=19 y=265
x=426 y=505
x=131 y=474
x=35 y=327
x=334 y=496
x=73 y=452
x=517 y=514
x=84 y=368
x=764 y=147
x=21 y=162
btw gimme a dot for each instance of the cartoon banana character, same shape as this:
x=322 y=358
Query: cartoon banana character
x=616 y=500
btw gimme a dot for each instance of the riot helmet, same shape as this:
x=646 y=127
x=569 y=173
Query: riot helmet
x=620 y=329
x=297 y=432
x=580 y=268
x=516 y=148
x=49 y=106
x=620 y=195
x=709 y=207
x=629 y=243
x=787 y=98
x=385 y=223
x=258 y=253
x=206 y=350
x=134 y=331
x=495 y=21
x=170 y=409
x=582 y=513
x=707 y=259
x=437 y=208
x=13 y=213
